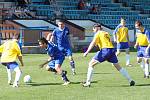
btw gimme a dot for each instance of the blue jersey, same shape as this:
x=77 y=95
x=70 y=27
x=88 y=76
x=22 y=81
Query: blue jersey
x=61 y=38
x=53 y=51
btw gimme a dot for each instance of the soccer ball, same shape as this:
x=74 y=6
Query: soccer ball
x=27 y=79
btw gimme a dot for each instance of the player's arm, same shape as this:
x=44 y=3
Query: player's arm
x=19 y=55
x=46 y=62
x=115 y=32
x=148 y=38
x=21 y=61
x=48 y=38
x=92 y=44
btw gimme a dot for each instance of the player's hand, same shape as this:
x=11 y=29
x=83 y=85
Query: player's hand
x=85 y=54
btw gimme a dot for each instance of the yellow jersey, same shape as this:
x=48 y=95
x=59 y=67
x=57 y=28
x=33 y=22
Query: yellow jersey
x=141 y=38
x=102 y=39
x=121 y=33
x=10 y=50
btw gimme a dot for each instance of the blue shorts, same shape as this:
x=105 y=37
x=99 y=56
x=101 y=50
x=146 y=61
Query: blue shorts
x=53 y=62
x=106 y=54
x=66 y=51
x=123 y=45
x=11 y=65
x=141 y=52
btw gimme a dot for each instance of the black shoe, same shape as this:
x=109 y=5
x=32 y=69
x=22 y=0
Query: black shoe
x=132 y=83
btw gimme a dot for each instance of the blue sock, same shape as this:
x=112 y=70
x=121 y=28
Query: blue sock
x=72 y=64
x=63 y=75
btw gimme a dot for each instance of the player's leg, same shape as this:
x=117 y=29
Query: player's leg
x=92 y=63
x=9 y=76
x=146 y=72
x=9 y=71
x=127 y=57
x=118 y=52
x=72 y=64
x=124 y=72
x=140 y=60
x=59 y=70
x=17 y=77
x=113 y=59
x=62 y=73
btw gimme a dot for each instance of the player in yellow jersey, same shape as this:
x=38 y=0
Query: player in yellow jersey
x=142 y=45
x=10 y=51
x=106 y=53
x=122 y=39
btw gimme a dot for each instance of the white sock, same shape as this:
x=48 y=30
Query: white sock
x=9 y=74
x=18 y=75
x=143 y=65
x=125 y=74
x=127 y=59
x=146 y=69
x=89 y=74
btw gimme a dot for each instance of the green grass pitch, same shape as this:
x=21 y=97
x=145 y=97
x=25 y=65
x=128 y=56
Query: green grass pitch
x=107 y=84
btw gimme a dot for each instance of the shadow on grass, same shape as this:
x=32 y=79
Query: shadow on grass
x=83 y=82
x=93 y=73
x=40 y=84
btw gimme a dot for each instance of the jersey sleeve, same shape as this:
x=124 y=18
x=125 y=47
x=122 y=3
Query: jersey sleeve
x=148 y=35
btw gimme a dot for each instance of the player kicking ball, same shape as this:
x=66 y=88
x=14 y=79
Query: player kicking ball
x=56 y=58
x=106 y=53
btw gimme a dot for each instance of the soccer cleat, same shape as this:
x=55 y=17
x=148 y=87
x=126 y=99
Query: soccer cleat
x=66 y=83
x=132 y=83
x=15 y=85
x=129 y=65
x=9 y=82
x=86 y=85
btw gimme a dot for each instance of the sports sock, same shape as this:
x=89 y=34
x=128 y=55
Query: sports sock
x=72 y=64
x=125 y=74
x=142 y=65
x=63 y=75
x=146 y=69
x=127 y=59
x=9 y=74
x=18 y=75
x=89 y=74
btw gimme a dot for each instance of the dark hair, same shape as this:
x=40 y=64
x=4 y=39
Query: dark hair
x=61 y=20
x=139 y=23
x=16 y=36
x=97 y=25
x=43 y=40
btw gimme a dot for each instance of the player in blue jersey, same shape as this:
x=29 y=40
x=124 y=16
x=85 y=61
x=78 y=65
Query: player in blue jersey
x=106 y=53
x=122 y=39
x=143 y=45
x=60 y=37
x=56 y=58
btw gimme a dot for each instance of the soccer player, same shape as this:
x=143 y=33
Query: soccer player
x=10 y=51
x=60 y=37
x=122 y=39
x=142 y=45
x=106 y=53
x=56 y=58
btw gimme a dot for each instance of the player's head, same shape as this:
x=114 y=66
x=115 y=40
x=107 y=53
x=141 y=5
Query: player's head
x=123 y=22
x=43 y=42
x=16 y=36
x=138 y=24
x=96 y=27
x=61 y=24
